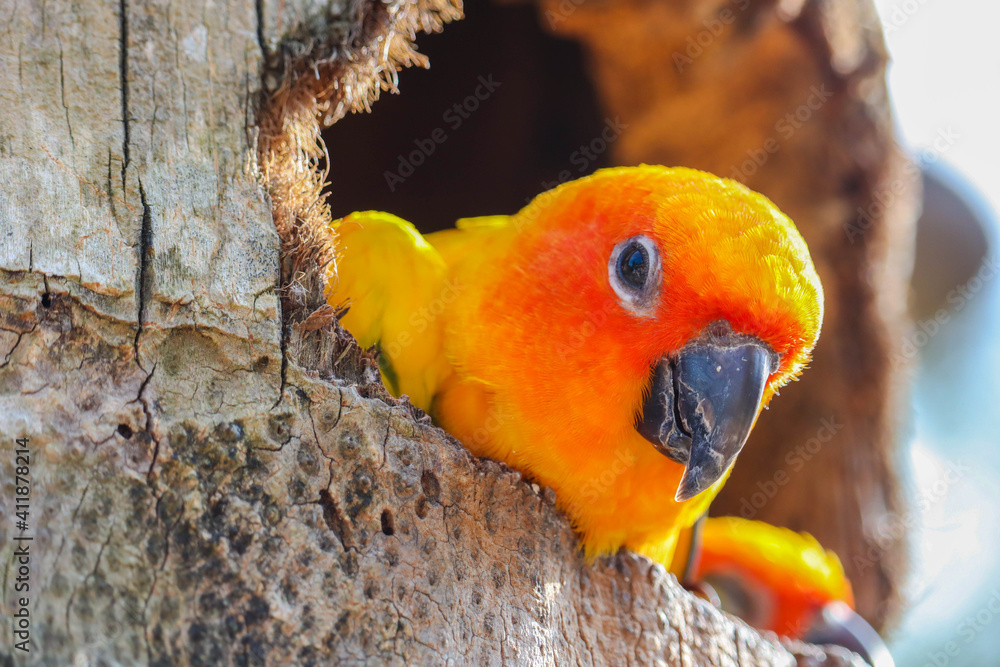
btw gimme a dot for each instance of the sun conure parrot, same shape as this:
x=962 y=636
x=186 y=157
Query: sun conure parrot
x=615 y=340
x=773 y=578
x=783 y=581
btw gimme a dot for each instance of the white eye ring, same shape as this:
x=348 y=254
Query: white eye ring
x=635 y=273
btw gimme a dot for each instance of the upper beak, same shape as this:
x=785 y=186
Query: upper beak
x=703 y=403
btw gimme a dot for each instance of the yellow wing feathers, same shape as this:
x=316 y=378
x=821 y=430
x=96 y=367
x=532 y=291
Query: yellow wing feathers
x=390 y=277
x=398 y=286
x=469 y=239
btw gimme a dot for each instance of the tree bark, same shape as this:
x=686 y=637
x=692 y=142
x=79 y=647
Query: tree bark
x=216 y=476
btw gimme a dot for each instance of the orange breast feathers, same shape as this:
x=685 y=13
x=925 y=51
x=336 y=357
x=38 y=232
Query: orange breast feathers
x=617 y=338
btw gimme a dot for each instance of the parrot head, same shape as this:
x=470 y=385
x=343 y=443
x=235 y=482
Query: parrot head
x=670 y=304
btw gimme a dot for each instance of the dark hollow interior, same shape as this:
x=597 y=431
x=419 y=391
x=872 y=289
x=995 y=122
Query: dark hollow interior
x=494 y=152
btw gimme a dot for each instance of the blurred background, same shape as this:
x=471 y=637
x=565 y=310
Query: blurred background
x=789 y=97
x=938 y=80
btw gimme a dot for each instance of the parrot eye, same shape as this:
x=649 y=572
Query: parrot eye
x=633 y=265
x=634 y=272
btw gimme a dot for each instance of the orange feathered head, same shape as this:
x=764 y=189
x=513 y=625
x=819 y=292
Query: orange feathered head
x=655 y=306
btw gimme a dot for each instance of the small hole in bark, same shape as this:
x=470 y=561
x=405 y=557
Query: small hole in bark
x=429 y=483
x=46 y=300
x=422 y=507
x=388 y=523
x=125 y=431
x=262 y=363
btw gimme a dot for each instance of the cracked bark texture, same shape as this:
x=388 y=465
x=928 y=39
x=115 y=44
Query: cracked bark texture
x=209 y=486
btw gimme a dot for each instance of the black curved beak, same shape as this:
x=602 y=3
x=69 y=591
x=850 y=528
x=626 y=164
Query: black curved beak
x=703 y=403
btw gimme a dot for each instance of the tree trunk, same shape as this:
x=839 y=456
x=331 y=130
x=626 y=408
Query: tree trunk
x=216 y=476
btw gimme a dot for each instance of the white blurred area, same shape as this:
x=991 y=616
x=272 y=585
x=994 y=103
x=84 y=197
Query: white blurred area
x=945 y=72
x=945 y=76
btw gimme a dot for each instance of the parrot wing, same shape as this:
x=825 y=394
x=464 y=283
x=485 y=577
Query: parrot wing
x=463 y=403
x=482 y=222
x=394 y=285
x=791 y=572
x=469 y=238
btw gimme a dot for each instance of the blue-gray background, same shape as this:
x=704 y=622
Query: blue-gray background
x=945 y=77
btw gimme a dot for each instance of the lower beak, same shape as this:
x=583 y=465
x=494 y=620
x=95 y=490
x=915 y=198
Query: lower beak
x=703 y=403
